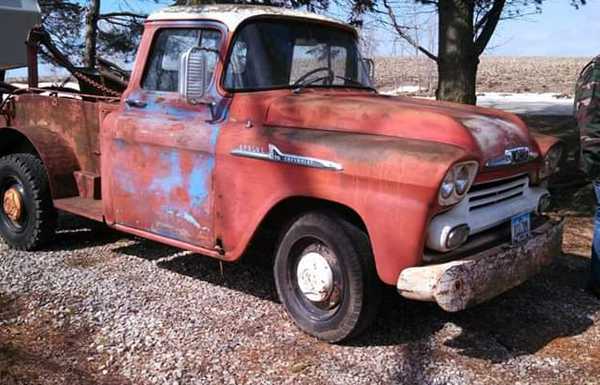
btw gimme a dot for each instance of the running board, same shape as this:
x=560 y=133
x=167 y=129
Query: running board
x=89 y=208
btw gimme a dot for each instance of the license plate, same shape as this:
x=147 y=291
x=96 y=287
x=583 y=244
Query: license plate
x=520 y=227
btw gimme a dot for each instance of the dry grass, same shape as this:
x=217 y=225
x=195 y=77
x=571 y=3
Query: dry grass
x=496 y=73
x=40 y=354
x=82 y=261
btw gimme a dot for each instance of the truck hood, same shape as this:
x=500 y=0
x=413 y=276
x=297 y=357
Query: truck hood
x=482 y=131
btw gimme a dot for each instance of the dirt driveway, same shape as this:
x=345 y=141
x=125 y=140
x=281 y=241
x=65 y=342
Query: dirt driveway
x=105 y=308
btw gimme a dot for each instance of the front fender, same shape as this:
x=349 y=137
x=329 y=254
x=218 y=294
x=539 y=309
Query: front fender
x=545 y=142
x=390 y=183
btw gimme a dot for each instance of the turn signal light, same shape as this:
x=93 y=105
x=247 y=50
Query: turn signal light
x=457 y=236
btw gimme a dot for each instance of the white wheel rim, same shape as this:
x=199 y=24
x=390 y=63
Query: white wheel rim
x=314 y=277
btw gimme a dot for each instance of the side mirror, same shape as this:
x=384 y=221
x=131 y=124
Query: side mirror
x=370 y=66
x=196 y=68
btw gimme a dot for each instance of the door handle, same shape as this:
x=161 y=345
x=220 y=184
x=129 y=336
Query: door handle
x=136 y=103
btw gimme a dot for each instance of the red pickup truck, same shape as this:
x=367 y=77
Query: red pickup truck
x=241 y=120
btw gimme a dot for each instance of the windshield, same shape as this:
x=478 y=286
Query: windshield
x=270 y=54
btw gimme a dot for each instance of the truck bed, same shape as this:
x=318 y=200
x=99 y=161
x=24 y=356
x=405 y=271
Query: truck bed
x=65 y=131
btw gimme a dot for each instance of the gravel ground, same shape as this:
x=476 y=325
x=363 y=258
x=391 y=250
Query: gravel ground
x=100 y=307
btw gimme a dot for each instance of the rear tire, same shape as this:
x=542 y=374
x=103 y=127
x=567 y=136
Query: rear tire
x=325 y=277
x=27 y=215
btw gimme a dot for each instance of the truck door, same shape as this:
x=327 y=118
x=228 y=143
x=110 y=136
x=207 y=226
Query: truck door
x=162 y=154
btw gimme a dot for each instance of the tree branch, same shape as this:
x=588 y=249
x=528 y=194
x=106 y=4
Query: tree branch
x=117 y=22
x=487 y=30
x=121 y=14
x=403 y=34
x=480 y=21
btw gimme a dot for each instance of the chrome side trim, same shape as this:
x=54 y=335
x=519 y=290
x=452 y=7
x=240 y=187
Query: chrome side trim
x=274 y=154
x=500 y=179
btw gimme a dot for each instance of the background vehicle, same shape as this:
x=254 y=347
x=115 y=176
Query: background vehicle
x=236 y=120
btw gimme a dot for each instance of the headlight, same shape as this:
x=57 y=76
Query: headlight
x=457 y=182
x=462 y=179
x=552 y=160
x=447 y=187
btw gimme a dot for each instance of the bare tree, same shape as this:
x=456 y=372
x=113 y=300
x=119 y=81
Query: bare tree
x=114 y=33
x=310 y=5
x=465 y=27
x=91 y=32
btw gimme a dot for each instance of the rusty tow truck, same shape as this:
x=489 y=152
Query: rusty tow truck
x=241 y=120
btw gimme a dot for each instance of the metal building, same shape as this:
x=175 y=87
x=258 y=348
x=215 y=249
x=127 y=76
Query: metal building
x=16 y=19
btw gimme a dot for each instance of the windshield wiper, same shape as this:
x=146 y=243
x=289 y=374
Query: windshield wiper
x=296 y=88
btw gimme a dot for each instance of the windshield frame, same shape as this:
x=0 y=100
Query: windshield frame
x=317 y=23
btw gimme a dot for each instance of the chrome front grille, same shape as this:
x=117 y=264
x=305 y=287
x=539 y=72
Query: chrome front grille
x=490 y=193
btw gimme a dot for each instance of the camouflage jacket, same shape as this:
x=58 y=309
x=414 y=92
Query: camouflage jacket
x=587 y=112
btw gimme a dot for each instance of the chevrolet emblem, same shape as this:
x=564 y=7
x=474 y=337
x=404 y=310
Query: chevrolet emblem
x=512 y=156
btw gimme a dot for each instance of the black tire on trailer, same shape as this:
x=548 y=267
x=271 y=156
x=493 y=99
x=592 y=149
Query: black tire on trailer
x=27 y=215
x=325 y=276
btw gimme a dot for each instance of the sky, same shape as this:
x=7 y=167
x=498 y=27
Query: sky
x=560 y=30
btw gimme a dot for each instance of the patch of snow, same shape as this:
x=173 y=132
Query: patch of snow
x=527 y=103
x=404 y=89
x=519 y=103
x=73 y=85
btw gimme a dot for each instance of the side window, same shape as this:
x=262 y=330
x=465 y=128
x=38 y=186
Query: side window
x=162 y=70
x=234 y=77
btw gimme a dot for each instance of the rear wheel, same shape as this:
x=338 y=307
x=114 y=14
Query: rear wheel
x=325 y=277
x=27 y=215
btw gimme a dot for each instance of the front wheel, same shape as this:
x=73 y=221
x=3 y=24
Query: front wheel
x=27 y=215
x=325 y=277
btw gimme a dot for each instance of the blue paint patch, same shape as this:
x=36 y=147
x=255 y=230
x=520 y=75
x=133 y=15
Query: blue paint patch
x=173 y=179
x=122 y=177
x=198 y=187
x=164 y=231
x=198 y=190
x=146 y=150
x=119 y=144
x=202 y=173
x=124 y=180
x=214 y=136
x=165 y=107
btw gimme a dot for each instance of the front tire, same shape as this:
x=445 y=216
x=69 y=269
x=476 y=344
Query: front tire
x=325 y=277
x=27 y=215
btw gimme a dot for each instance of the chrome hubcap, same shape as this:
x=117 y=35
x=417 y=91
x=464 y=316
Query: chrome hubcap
x=315 y=277
x=13 y=204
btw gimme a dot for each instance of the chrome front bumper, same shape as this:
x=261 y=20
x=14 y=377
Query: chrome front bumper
x=462 y=283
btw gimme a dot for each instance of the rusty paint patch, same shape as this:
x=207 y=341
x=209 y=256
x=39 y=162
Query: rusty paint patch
x=13 y=204
x=164 y=156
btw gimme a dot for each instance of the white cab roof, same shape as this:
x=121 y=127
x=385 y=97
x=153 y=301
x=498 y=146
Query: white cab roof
x=232 y=15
